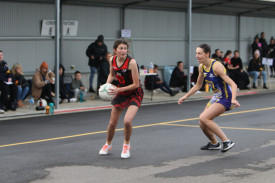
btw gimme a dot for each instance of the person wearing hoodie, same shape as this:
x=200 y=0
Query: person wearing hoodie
x=96 y=52
x=41 y=83
x=62 y=87
x=7 y=86
x=178 y=78
x=271 y=53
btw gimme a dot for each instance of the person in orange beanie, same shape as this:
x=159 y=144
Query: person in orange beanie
x=42 y=82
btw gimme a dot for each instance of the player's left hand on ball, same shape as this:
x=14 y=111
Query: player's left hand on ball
x=235 y=103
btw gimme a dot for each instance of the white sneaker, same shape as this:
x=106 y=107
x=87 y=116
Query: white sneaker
x=105 y=149
x=125 y=151
x=2 y=111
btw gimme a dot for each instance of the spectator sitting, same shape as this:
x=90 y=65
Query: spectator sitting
x=227 y=58
x=21 y=82
x=195 y=74
x=178 y=78
x=256 y=45
x=162 y=84
x=222 y=54
x=64 y=93
x=42 y=83
x=7 y=86
x=271 y=53
x=194 y=78
x=237 y=74
x=256 y=68
x=217 y=55
x=78 y=86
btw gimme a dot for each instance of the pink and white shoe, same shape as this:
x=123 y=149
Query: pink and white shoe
x=125 y=151
x=105 y=149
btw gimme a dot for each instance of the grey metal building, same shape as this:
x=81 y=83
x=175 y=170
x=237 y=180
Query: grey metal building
x=158 y=28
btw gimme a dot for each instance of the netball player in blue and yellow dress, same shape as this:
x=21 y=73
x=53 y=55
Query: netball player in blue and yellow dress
x=224 y=98
x=128 y=94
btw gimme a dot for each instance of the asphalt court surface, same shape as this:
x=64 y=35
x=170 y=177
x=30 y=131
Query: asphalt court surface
x=165 y=146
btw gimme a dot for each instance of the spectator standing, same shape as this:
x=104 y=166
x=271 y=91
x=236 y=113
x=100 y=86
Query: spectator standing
x=217 y=55
x=271 y=53
x=7 y=86
x=21 y=83
x=178 y=78
x=264 y=45
x=96 y=52
x=42 y=83
x=256 y=45
x=104 y=69
x=77 y=86
x=238 y=75
x=256 y=69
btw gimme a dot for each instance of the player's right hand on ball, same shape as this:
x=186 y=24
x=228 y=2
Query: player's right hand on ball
x=113 y=91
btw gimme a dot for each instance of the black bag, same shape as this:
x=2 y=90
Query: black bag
x=150 y=82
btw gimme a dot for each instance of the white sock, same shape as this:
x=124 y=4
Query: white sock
x=227 y=141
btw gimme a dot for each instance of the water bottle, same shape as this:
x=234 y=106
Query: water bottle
x=151 y=67
x=47 y=109
x=81 y=96
x=51 y=108
x=31 y=103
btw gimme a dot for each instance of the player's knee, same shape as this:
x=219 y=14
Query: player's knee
x=112 y=124
x=200 y=124
x=127 y=123
x=203 y=120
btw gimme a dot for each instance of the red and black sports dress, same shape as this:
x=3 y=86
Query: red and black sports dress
x=124 y=77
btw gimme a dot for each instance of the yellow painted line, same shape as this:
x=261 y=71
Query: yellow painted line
x=121 y=129
x=57 y=138
x=253 y=110
x=92 y=133
x=232 y=128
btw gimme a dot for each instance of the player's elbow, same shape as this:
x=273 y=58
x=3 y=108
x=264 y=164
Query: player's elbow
x=136 y=85
x=233 y=85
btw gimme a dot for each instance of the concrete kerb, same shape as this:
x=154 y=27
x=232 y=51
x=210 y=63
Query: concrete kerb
x=93 y=105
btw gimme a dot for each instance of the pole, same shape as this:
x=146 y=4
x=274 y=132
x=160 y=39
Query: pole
x=189 y=44
x=239 y=32
x=57 y=51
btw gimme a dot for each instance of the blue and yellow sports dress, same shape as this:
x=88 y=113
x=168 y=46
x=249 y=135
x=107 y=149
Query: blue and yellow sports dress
x=222 y=91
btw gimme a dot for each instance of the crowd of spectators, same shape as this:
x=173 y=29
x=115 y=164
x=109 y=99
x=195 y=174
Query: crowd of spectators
x=15 y=88
x=255 y=69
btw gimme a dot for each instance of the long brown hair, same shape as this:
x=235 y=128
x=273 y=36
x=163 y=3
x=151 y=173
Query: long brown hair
x=120 y=41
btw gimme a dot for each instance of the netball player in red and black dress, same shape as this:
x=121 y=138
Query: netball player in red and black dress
x=128 y=94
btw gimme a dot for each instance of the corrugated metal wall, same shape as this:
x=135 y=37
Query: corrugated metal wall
x=157 y=36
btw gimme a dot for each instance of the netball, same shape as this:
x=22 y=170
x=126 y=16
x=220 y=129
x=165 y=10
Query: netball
x=104 y=91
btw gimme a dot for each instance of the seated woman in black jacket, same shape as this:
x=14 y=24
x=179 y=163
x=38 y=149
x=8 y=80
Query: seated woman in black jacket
x=7 y=86
x=178 y=78
x=256 y=69
x=21 y=83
